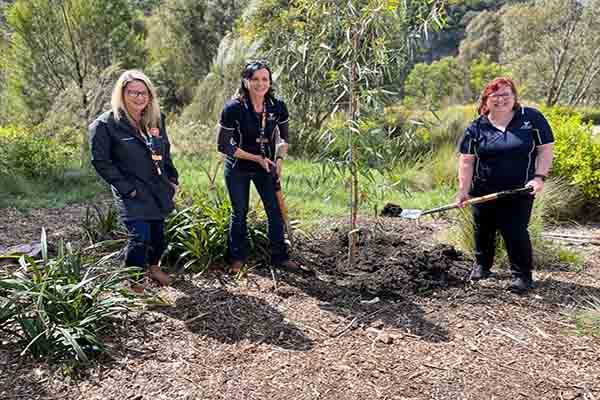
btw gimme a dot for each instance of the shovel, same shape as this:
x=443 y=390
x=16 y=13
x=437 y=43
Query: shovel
x=414 y=214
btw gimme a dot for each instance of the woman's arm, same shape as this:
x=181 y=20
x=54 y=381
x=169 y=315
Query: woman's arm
x=543 y=162
x=225 y=146
x=466 y=163
x=101 y=160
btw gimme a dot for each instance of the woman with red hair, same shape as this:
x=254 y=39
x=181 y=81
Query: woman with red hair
x=508 y=147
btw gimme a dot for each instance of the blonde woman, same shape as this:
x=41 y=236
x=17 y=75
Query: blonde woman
x=131 y=152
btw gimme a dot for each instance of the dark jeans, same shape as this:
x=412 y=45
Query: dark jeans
x=238 y=185
x=511 y=217
x=146 y=242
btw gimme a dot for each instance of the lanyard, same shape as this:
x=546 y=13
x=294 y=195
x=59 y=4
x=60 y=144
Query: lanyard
x=153 y=145
x=262 y=128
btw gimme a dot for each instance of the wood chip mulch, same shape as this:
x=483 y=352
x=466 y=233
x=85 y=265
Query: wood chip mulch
x=286 y=336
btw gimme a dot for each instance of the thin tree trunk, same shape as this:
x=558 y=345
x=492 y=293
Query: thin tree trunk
x=353 y=170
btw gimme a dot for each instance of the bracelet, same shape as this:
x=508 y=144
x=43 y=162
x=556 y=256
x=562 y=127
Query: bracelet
x=541 y=176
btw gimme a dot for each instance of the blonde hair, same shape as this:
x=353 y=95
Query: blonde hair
x=151 y=114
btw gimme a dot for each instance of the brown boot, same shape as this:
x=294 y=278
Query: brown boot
x=160 y=276
x=235 y=267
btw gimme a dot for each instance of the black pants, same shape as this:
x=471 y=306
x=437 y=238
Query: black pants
x=511 y=217
x=146 y=242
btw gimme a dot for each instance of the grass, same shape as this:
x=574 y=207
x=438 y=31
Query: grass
x=587 y=319
x=313 y=190
x=27 y=193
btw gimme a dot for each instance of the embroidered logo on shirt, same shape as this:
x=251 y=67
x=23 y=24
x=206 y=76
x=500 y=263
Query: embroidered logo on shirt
x=526 y=125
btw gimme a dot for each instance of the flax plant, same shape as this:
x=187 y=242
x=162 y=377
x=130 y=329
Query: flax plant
x=59 y=308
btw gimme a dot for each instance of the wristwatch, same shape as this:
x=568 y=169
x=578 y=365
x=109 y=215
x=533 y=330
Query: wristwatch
x=541 y=176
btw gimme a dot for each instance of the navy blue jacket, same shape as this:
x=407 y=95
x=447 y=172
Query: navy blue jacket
x=122 y=158
x=239 y=127
x=505 y=160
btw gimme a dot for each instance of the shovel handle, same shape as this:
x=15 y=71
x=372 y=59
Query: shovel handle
x=498 y=195
x=481 y=199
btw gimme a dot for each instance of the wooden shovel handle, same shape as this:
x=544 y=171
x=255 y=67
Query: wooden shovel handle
x=494 y=196
x=481 y=199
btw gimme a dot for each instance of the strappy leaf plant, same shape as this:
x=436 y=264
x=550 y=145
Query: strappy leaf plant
x=59 y=308
x=197 y=235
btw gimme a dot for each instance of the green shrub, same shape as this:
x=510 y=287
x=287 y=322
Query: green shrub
x=101 y=224
x=590 y=115
x=197 y=235
x=587 y=318
x=59 y=307
x=576 y=155
x=32 y=155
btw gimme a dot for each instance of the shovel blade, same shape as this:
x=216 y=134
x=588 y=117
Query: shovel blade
x=411 y=214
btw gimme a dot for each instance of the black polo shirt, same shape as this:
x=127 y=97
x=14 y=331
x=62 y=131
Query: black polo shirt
x=239 y=127
x=505 y=160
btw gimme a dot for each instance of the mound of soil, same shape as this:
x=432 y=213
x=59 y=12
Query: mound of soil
x=390 y=259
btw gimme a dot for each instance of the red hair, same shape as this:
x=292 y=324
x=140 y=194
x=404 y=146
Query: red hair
x=493 y=86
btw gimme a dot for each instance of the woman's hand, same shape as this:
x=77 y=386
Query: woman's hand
x=537 y=184
x=175 y=188
x=461 y=197
x=265 y=163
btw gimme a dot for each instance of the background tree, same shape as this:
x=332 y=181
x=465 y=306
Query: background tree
x=183 y=38
x=306 y=41
x=339 y=55
x=435 y=84
x=56 y=44
x=553 y=48
x=482 y=36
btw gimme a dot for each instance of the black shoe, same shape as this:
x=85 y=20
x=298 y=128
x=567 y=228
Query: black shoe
x=521 y=285
x=478 y=273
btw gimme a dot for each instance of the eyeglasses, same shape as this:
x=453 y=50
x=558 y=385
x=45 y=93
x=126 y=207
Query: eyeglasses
x=501 y=95
x=136 y=94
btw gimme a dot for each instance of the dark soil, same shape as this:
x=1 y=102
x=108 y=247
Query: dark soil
x=387 y=262
x=400 y=324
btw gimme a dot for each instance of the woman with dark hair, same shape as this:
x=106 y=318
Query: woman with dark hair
x=248 y=135
x=131 y=152
x=507 y=147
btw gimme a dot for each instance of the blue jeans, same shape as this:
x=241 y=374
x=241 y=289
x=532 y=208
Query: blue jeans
x=238 y=186
x=146 y=242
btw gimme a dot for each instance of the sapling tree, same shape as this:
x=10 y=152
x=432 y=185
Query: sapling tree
x=340 y=56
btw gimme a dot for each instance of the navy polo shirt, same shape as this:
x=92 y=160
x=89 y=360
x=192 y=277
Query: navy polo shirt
x=505 y=160
x=240 y=128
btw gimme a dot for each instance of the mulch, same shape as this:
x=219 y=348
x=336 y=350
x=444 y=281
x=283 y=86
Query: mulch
x=401 y=323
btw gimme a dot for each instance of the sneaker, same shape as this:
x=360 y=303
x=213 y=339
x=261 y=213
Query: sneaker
x=520 y=285
x=478 y=273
